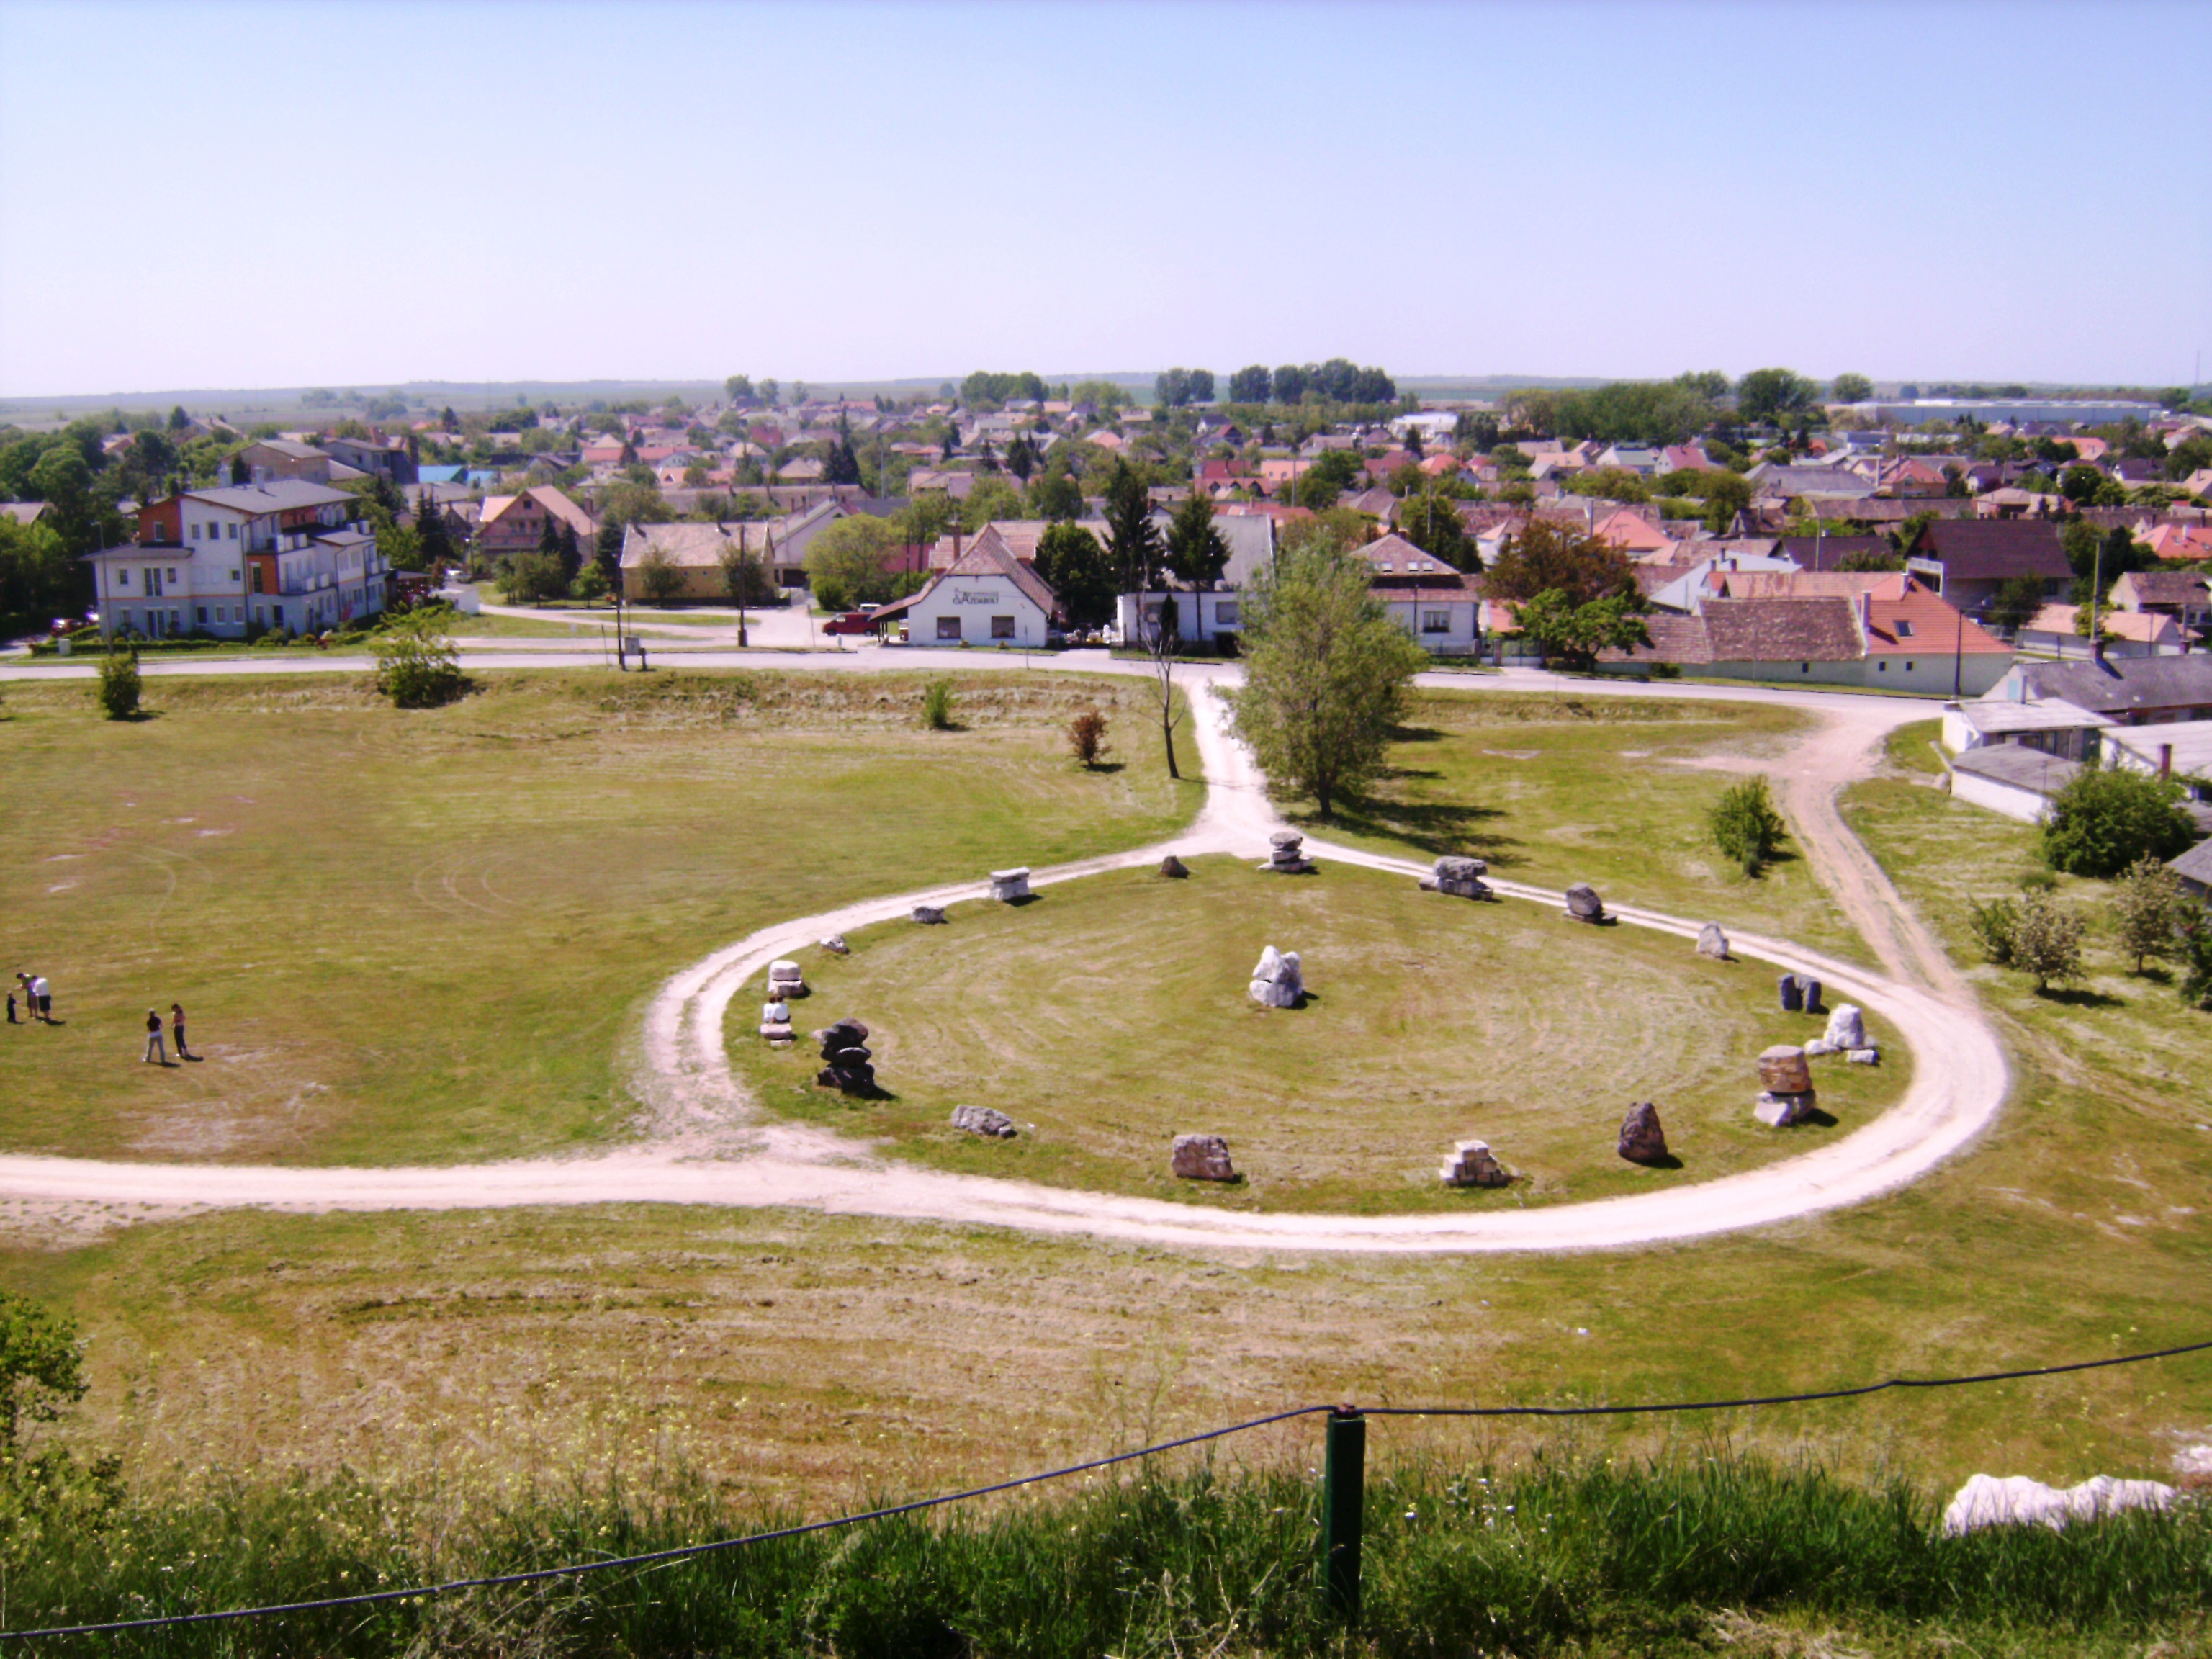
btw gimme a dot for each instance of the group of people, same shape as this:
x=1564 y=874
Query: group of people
x=153 y=1054
x=38 y=999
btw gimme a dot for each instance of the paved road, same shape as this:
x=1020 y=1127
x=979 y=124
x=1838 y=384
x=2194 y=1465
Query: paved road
x=712 y=1147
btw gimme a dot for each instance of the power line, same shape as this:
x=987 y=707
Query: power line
x=684 y=1552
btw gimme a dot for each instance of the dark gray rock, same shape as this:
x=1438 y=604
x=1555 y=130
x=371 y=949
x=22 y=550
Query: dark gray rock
x=1201 y=1157
x=1643 y=1140
x=983 y=1121
x=1172 y=865
x=1583 y=903
x=1793 y=994
x=929 y=915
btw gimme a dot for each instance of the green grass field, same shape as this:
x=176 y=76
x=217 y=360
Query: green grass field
x=1109 y=1014
x=811 y=1358
x=1553 y=788
x=406 y=936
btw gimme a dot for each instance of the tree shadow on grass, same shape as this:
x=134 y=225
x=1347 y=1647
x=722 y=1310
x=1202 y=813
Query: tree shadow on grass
x=1458 y=828
x=2067 y=998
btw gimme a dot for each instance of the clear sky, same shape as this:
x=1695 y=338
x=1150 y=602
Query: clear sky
x=327 y=194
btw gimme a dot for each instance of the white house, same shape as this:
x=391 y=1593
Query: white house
x=1425 y=596
x=2012 y=779
x=1218 y=613
x=987 y=598
x=285 y=554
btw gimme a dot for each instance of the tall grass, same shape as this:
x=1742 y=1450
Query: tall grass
x=1595 y=1556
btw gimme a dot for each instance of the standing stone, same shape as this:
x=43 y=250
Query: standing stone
x=1642 y=1138
x=1172 y=865
x=1461 y=878
x=1812 y=990
x=1278 y=981
x=835 y=945
x=1846 y=1027
x=983 y=1121
x=784 y=981
x=1711 y=942
x=1793 y=994
x=1008 y=885
x=1783 y=1070
x=1779 y=1109
x=1201 y=1157
x=846 y=1065
x=1471 y=1165
x=1288 y=856
x=930 y=915
x=1583 y=903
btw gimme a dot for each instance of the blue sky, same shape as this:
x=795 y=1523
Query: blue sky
x=231 y=196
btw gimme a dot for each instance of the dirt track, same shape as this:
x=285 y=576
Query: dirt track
x=707 y=1146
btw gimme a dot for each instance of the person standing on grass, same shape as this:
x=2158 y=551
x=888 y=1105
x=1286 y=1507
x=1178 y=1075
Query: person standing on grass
x=11 y=1008
x=177 y=1029
x=153 y=1054
x=30 y=999
x=42 y=997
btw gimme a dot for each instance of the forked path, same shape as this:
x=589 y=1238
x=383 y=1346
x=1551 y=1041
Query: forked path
x=709 y=1144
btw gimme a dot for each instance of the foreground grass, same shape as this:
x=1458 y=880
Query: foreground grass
x=1684 y=1557
x=405 y=936
x=1553 y=788
x=1106 y=1015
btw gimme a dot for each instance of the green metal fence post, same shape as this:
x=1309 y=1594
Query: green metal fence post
x=1343 y=1500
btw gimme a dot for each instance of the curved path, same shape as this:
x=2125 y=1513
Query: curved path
x=709 y=1147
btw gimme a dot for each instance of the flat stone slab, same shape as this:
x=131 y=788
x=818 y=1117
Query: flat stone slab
x=986 y=1120
x=1866 y=1056
x=835 y=945
x=1473 y=1164
x=1782 y=1069
x=1201 y=1157
x=1779 y=1110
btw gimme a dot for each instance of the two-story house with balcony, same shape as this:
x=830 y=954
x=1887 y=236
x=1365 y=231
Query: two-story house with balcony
x=286 y=554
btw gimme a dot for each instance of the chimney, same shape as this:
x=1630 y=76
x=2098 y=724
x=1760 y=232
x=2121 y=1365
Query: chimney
x=1866 y=611
x=2166 y=760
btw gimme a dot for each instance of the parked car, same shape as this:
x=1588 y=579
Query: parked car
x=853 y=621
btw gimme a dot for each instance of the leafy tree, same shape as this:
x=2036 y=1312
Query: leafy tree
x=1196 y=551
x=1171 y=387
x=1431 y=522
x=994 y=498
x=1326 y=671
x=1133 y=540
x=2017 y=600
x=119 y=686
x=38 y=579
x=1725 y=495
x=534 y=577
x=738 y=388
x=1773 y=396
x=1200 y=385
x=1850 y=389
x=1075 y=567
x=2080 y=483
x=2147 y=907
x=745 y=579
x=1994 y=924
x=590 y=585
x=1576 y=633
x=1543 y=556
x=2047 y=939
x=41 y=1366
x=178 y=421
x=1290 y=384
x=658 y=579
x=846 y=563
x=2193 y=954
x=1745 y=825
x=416 y=665
x=1022 y=457
x=2105 y=819
x=1086 y=738
x=1249 y=385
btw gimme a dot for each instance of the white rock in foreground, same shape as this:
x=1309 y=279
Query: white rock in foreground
x=1990 y=1500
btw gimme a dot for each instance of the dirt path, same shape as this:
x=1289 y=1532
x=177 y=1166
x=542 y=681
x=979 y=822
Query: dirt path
x=706 y=1144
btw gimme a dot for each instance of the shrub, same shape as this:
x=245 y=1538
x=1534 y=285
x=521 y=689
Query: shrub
x=1086 y=737
x=937 y=703
x=2047 y=940
x=2147 y=905
x=1745 y=825
x=1995 y=924
x=416 y=665
x=2105 y=820
x=2192 y=950
x=590 y=585
x=119 y=684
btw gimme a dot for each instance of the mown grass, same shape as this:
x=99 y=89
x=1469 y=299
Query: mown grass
x=1106 y=1015
x=1682 y=1556
x=1553 y=788
x=427 y=935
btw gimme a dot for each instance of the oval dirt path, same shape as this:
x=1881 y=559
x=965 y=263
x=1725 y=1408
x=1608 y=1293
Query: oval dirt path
x=710 y=1147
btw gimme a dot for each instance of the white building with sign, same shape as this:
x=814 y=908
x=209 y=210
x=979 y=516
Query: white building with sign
x=987 y=598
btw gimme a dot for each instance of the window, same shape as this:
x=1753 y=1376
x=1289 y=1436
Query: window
x=1804 y=667
x=1224 y=614
x=257 y=580
x=1435 y=622
x=203 y=613
x=948 y=627
x=173 y=573
x=231 y=530
x=1908 y=667
x=1904 y=628
x=123 y=576
x=1884 y=666
x=1002 y=628
x=195 y=532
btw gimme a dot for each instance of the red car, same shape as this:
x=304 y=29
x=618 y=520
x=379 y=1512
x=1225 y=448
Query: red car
x=853 y=621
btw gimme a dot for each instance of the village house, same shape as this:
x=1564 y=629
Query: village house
x=1425 y=596
x=2184 y=595
x=267 y=460
x=230 y=561
x=988 y=597
x=2129 y=691
x=2061 y=630
x=1968 y=560
x=514 y=524
x=383 y=458
x=695 y=552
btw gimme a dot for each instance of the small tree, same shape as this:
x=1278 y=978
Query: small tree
x=1086 y=738
x=938 y=699
x=2047 y=940
x=416 y=665
x=2192 y=942
x=659 y=579
x=2105 y=820
x=590 y=585
x=1746 y=826
x=1995 y=924
x=2146 y=908
x=41 y=1366
x=119 y=684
